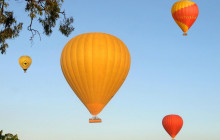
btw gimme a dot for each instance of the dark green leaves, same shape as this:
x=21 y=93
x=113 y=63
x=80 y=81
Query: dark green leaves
x=65 y=27
x=47 y=12
x=9 y=29
x=8 y=136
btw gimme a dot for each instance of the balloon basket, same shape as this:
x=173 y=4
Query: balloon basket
x=95 y=119
x=25 y=70
x=184 y=34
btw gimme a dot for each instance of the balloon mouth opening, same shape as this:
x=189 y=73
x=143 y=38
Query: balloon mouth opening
x=25 y=70
x=95 y=108
x=184 y=34
x=95 y=119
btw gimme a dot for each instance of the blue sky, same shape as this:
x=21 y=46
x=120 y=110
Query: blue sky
x=169 y=74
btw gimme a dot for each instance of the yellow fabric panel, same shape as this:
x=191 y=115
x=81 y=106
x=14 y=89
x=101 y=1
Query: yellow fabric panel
x=25 y=61
x=181 y=4
x=95 y=65
x=182 y=26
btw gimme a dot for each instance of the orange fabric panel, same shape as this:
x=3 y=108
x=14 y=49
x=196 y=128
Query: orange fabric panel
x=172 y=124
x=187 y=15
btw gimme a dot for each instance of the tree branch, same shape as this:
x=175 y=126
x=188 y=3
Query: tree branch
x=33 y=31
x=2 y=10
x=63 y=13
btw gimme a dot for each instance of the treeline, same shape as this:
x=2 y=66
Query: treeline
x=8 y=136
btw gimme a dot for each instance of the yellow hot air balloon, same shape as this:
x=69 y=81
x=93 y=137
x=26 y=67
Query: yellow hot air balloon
x=95 y=65
x=25 y=62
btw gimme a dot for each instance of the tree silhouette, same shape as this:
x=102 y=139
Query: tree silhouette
x=8 y=136
x=46 y=12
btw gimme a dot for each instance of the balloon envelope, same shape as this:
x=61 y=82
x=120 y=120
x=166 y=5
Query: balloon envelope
x=95 y=65
x=25 y=62
x=185 y=14
x=172 y=124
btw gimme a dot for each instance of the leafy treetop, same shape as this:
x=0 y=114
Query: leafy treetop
x=47 y=12
x=8 y=136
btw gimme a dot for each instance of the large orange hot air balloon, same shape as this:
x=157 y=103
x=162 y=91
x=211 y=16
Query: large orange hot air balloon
x=185 y=14
x=95 y=65
x=172 y=124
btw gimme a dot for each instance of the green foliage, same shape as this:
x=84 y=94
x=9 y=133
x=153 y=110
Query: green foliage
x=65 y=26
x=47 y=12
x=51 y=15
x=9 y=28
x=8 y=136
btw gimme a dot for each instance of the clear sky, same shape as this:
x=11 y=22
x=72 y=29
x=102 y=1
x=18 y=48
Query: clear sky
x=169 y=74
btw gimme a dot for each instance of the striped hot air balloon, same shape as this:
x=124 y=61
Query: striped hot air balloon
x=185 y=14
x=172 y=124
x=95 y=65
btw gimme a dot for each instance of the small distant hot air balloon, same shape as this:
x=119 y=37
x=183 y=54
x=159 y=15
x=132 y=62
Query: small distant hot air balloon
x=172 y=124
x=25 y=62
x=95 y=65
x=185 y=14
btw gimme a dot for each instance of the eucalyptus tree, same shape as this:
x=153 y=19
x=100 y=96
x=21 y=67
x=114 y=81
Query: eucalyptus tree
x=45 y=12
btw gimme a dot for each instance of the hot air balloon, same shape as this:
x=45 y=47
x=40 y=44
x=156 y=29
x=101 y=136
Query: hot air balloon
x=185 y=14
x=95 y=65
x=172 y=124
x=25 y=62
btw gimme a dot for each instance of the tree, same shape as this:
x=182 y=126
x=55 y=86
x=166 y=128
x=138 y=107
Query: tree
x=47 y=13
x=8 y=136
